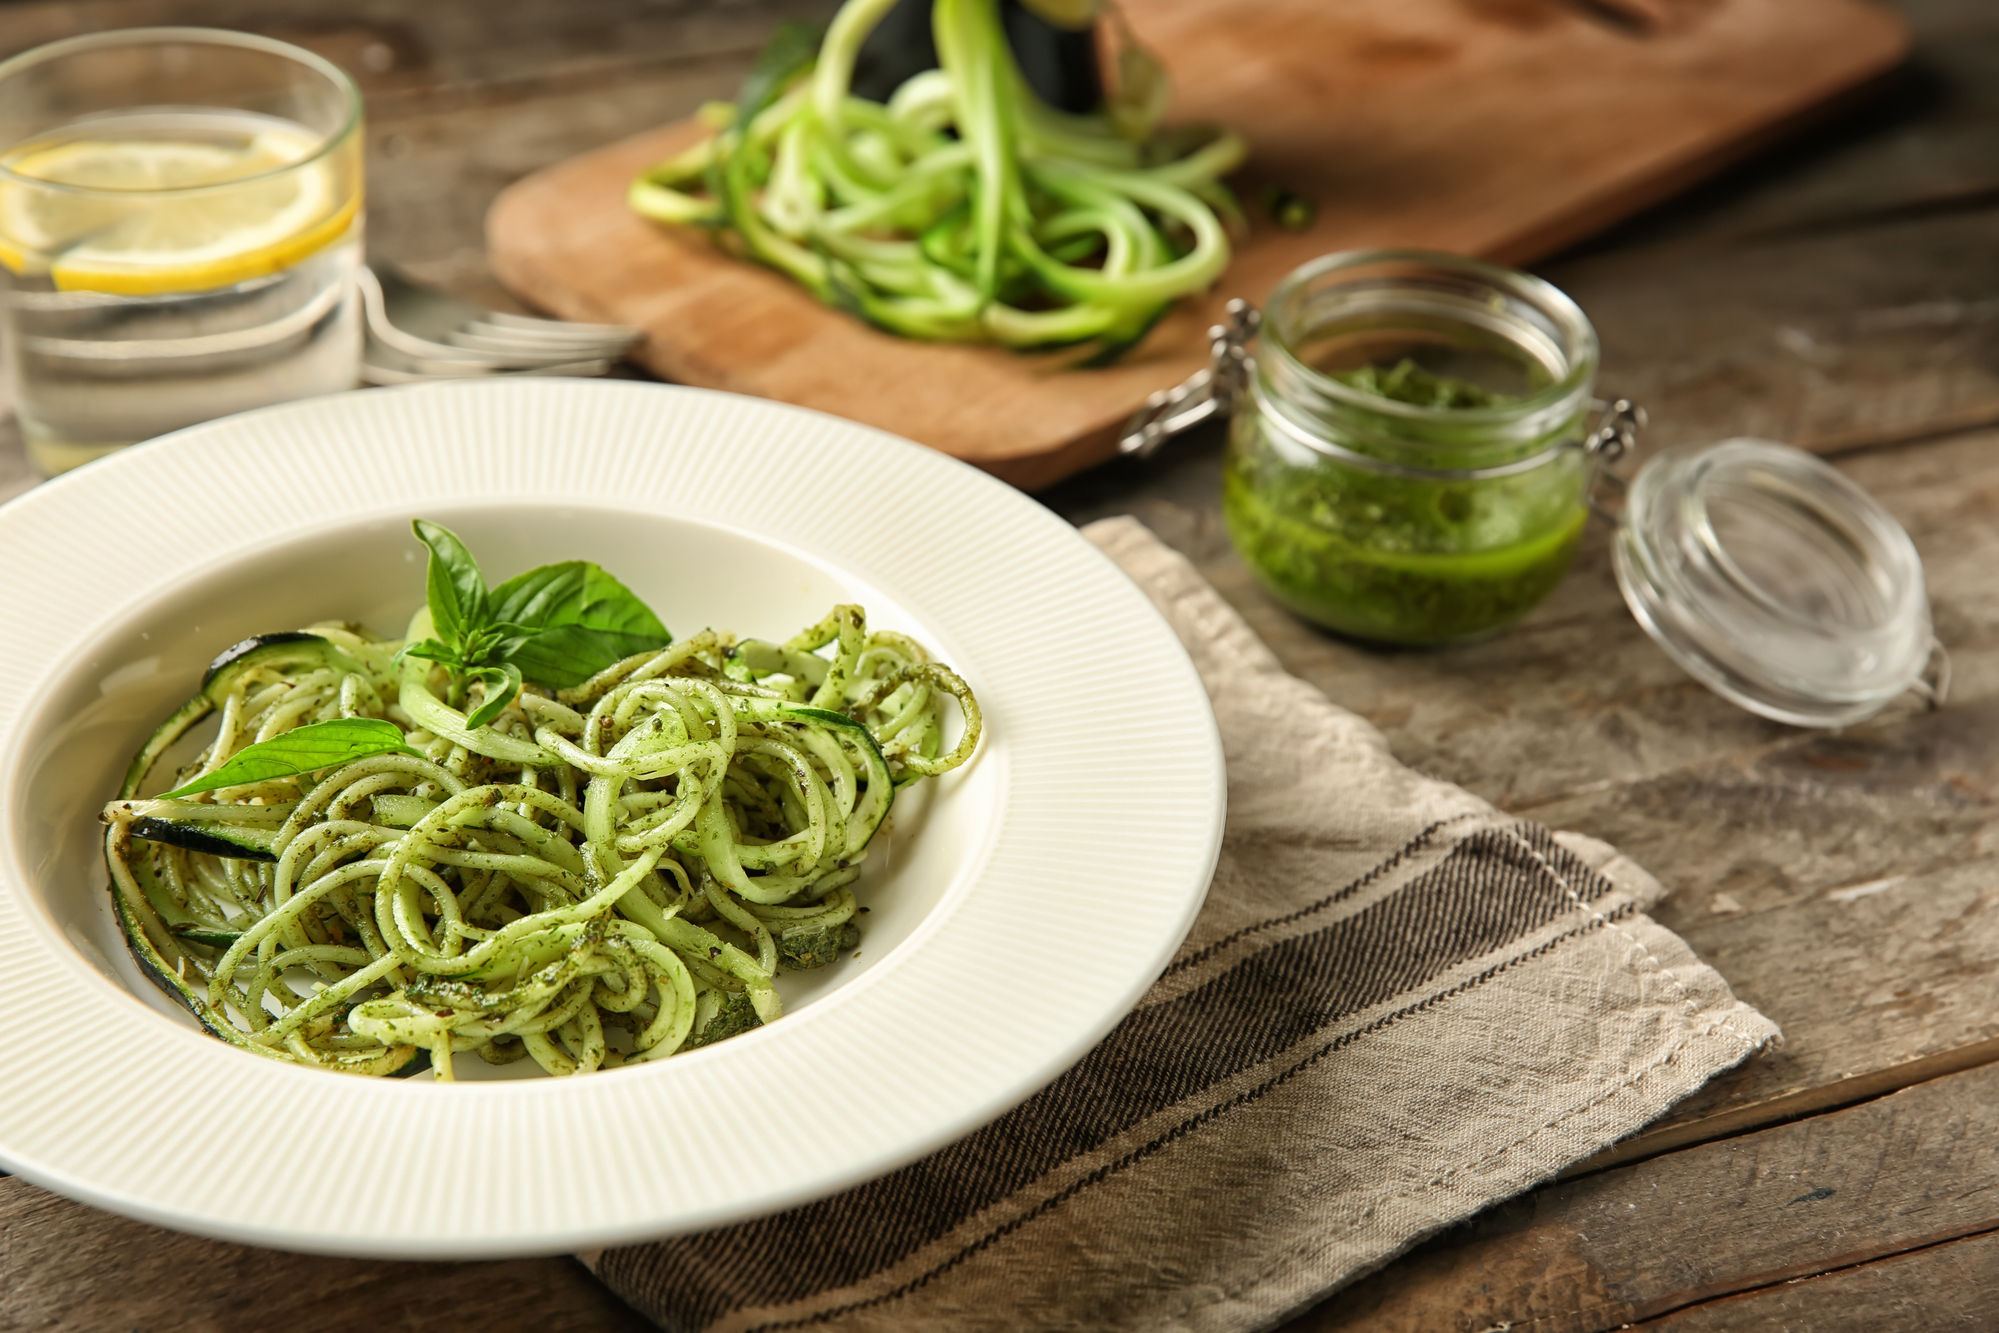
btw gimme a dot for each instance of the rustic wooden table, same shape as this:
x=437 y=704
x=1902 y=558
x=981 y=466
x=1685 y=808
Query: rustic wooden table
x=1841 y=293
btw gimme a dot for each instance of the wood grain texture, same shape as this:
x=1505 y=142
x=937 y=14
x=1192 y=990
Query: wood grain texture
x=447 y=46
x=1928 y=144
x=1941 y=1287
x=1829 y=337
x=1501 y=129
x=1893 y=1176
x=66 y=1266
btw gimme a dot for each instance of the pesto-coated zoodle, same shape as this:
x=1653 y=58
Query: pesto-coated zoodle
x=405 y=862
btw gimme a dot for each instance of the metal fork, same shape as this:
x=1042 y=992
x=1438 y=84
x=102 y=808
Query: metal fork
x=415 y=334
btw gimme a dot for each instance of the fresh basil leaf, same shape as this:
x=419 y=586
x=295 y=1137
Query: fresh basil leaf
x=586 y=620
x=497 y=642
x=305 y=749
x=502 y=684
x=456 y=588
x=431 y=651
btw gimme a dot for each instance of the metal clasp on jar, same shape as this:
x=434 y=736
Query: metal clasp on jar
x=1615 y=436
x=1212 y=392
x=1208 y=392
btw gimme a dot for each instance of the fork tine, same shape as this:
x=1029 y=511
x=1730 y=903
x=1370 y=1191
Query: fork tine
x=375 y=306
x=486 y=344
x=423 y=371
x=539 y=338
x=372 y=373
x=579 y=369
x=572 y=366
x=481 y=334
x=531 y=324
x=520 y=352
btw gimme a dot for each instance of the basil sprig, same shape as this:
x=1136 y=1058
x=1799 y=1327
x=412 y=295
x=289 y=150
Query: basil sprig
x=557 y=625
x=304 y=749
x=582 y=620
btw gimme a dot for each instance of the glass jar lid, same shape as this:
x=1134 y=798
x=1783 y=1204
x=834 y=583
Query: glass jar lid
x=1777 y=582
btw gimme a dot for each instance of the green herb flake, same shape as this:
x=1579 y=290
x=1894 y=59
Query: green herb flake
x=1395 y=559
x=1290 y=210
x=804 y=947
x=1407 y=382
x=737 y=1015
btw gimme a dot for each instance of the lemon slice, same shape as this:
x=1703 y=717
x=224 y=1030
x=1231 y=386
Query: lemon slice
x=125 y=240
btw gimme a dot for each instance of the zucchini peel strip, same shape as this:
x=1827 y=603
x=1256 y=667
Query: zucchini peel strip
x=965 y=210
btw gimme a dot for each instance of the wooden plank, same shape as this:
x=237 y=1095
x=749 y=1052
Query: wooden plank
x=1945 y=1286
x=1895 y=1175
x=1506 y=130
x=1830 y=339
x=1929 y=142
x=444 y=44
x=63 y=1265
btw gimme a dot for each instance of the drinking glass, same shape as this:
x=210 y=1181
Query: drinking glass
x=180 y=222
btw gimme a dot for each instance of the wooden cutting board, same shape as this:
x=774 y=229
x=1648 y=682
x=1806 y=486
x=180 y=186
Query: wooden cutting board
x=1502 y=128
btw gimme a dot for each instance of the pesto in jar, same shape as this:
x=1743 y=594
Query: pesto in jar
x=1407 y=382
x=1406 y=559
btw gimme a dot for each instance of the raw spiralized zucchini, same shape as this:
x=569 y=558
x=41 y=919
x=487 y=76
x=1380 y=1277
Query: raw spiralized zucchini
x=604 y=875
x=966 y=209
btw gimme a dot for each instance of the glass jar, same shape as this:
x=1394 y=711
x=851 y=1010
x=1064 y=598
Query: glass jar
x=1409 y=462
x=1405 y=460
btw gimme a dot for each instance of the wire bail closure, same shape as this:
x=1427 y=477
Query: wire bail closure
x=1212 y=390
x=1933 y=686
x=1208 y=392
x=1612 y=440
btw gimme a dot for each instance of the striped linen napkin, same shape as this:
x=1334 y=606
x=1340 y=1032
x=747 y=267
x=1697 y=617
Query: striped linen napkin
x=1397 y=1007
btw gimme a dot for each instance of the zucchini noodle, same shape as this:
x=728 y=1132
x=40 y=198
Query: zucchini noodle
x=604 y=875
x=966 y=209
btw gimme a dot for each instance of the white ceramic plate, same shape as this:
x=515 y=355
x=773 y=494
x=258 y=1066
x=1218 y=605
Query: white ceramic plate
x=1026 y=905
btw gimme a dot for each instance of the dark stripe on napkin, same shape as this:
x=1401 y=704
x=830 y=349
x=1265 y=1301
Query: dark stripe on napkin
x=1185 y=1127
x=1486 y=891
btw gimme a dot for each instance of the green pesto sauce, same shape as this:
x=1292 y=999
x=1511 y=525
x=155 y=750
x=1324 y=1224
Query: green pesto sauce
x=1407 y=382
x=1397 y=559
